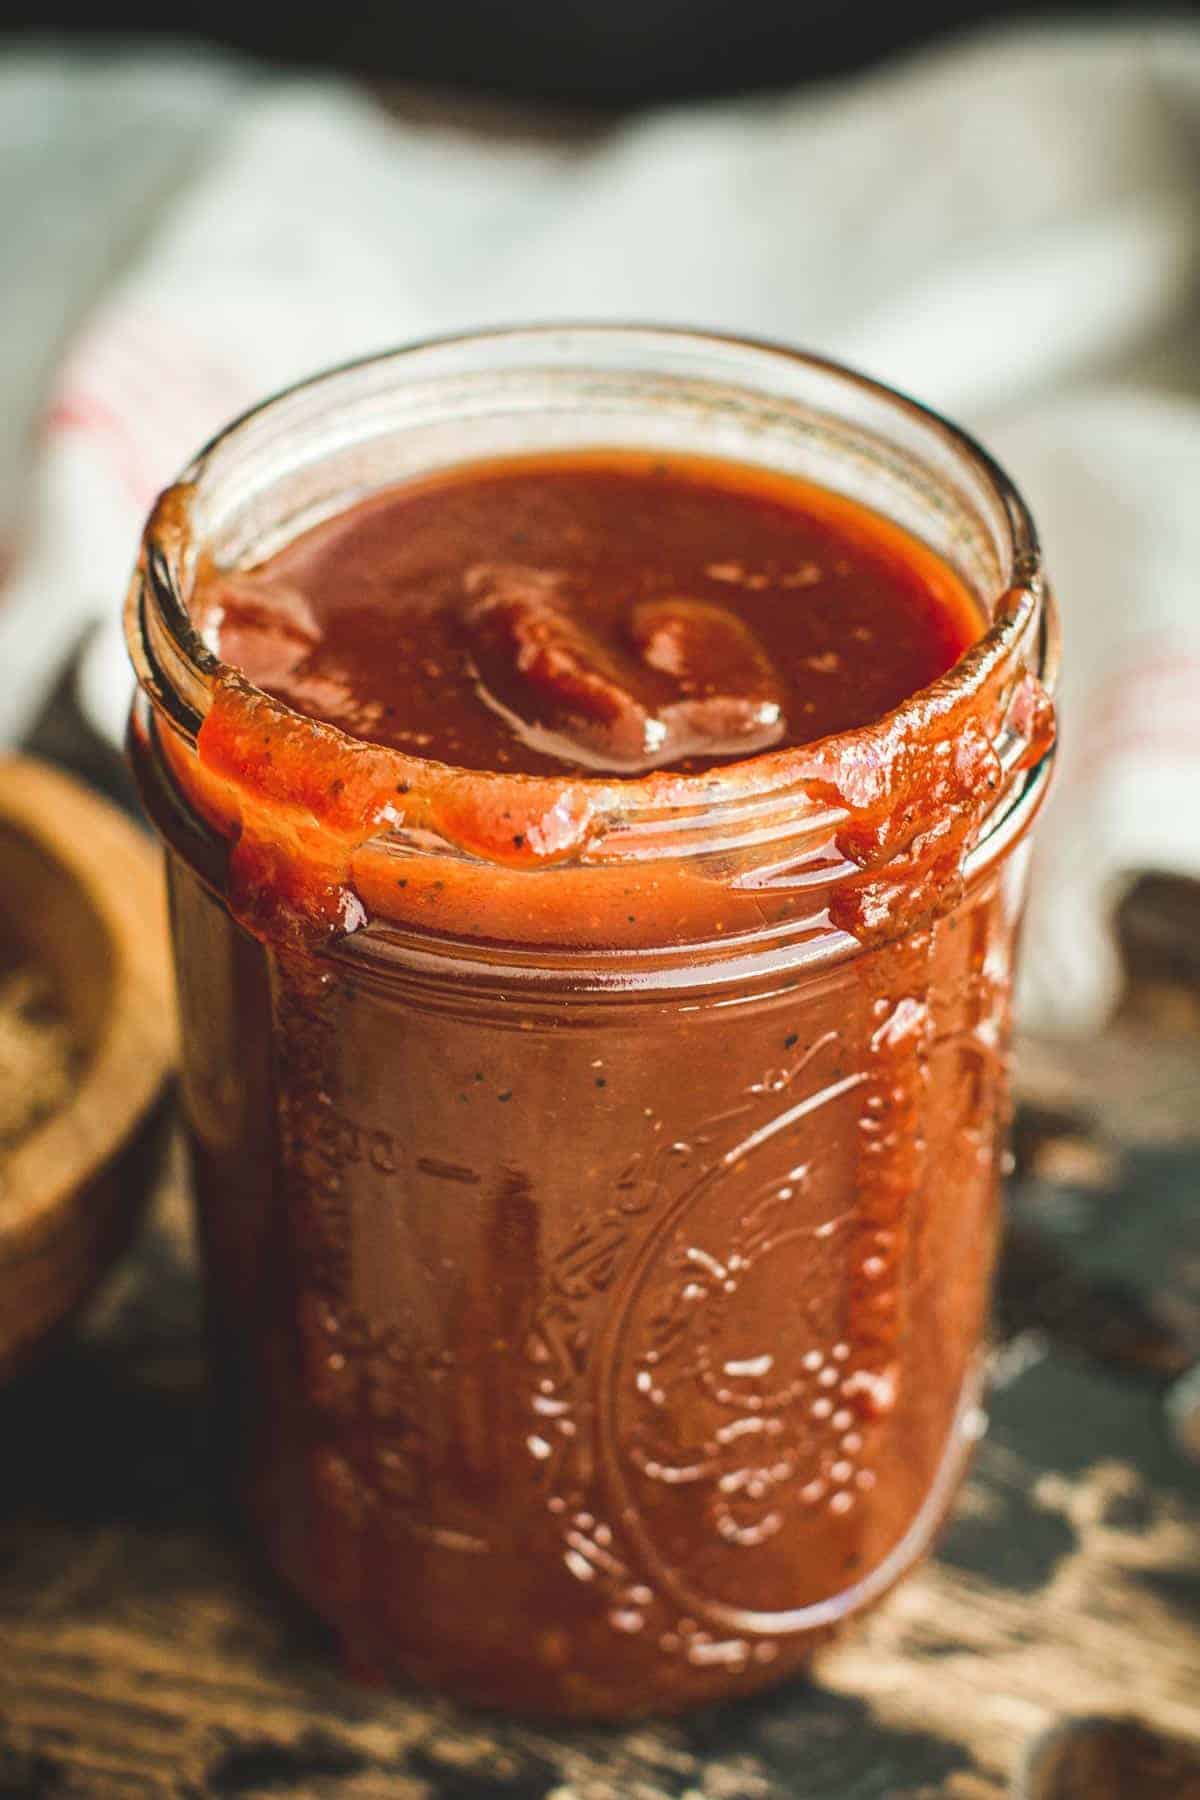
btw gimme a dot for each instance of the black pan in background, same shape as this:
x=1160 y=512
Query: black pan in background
x=607 y=52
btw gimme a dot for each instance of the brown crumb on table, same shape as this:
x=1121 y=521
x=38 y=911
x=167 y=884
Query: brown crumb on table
x=39 y=1053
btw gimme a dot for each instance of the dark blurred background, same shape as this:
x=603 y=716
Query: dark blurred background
x=605 y=52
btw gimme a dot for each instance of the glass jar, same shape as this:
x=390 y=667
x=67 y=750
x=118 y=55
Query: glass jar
x=598 y=1178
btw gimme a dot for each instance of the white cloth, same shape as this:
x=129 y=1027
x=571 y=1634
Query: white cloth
x=1009 y=229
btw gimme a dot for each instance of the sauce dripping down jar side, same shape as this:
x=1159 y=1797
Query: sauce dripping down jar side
x=598 y=1177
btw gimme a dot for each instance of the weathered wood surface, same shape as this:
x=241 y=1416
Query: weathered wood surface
x=142 y=1653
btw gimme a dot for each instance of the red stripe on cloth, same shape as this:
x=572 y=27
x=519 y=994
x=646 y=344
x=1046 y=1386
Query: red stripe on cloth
x=1149 y=708
x=78 y=411
x=150 y=391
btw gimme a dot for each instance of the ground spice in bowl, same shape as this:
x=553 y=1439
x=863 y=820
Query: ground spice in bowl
x=40 y=1053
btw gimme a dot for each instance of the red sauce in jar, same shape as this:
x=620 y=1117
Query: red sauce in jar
x=594 y=613
x=597 y=1122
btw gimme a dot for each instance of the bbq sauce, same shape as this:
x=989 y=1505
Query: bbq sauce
x=601 y=613
x=601 y=1218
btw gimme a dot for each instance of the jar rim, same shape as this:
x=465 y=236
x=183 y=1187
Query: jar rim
x=632 y=815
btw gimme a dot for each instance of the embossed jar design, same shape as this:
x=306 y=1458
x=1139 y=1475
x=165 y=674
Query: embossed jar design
x=599 y=1251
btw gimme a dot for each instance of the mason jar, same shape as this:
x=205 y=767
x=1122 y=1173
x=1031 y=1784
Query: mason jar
x=598 y=1238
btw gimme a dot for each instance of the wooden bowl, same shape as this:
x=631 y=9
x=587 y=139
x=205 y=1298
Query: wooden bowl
x=81 y=892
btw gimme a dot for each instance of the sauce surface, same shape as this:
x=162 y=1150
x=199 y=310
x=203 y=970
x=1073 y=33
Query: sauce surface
x=608 y=612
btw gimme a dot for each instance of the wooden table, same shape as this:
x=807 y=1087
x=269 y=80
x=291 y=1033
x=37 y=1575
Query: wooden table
x=142 y=1652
